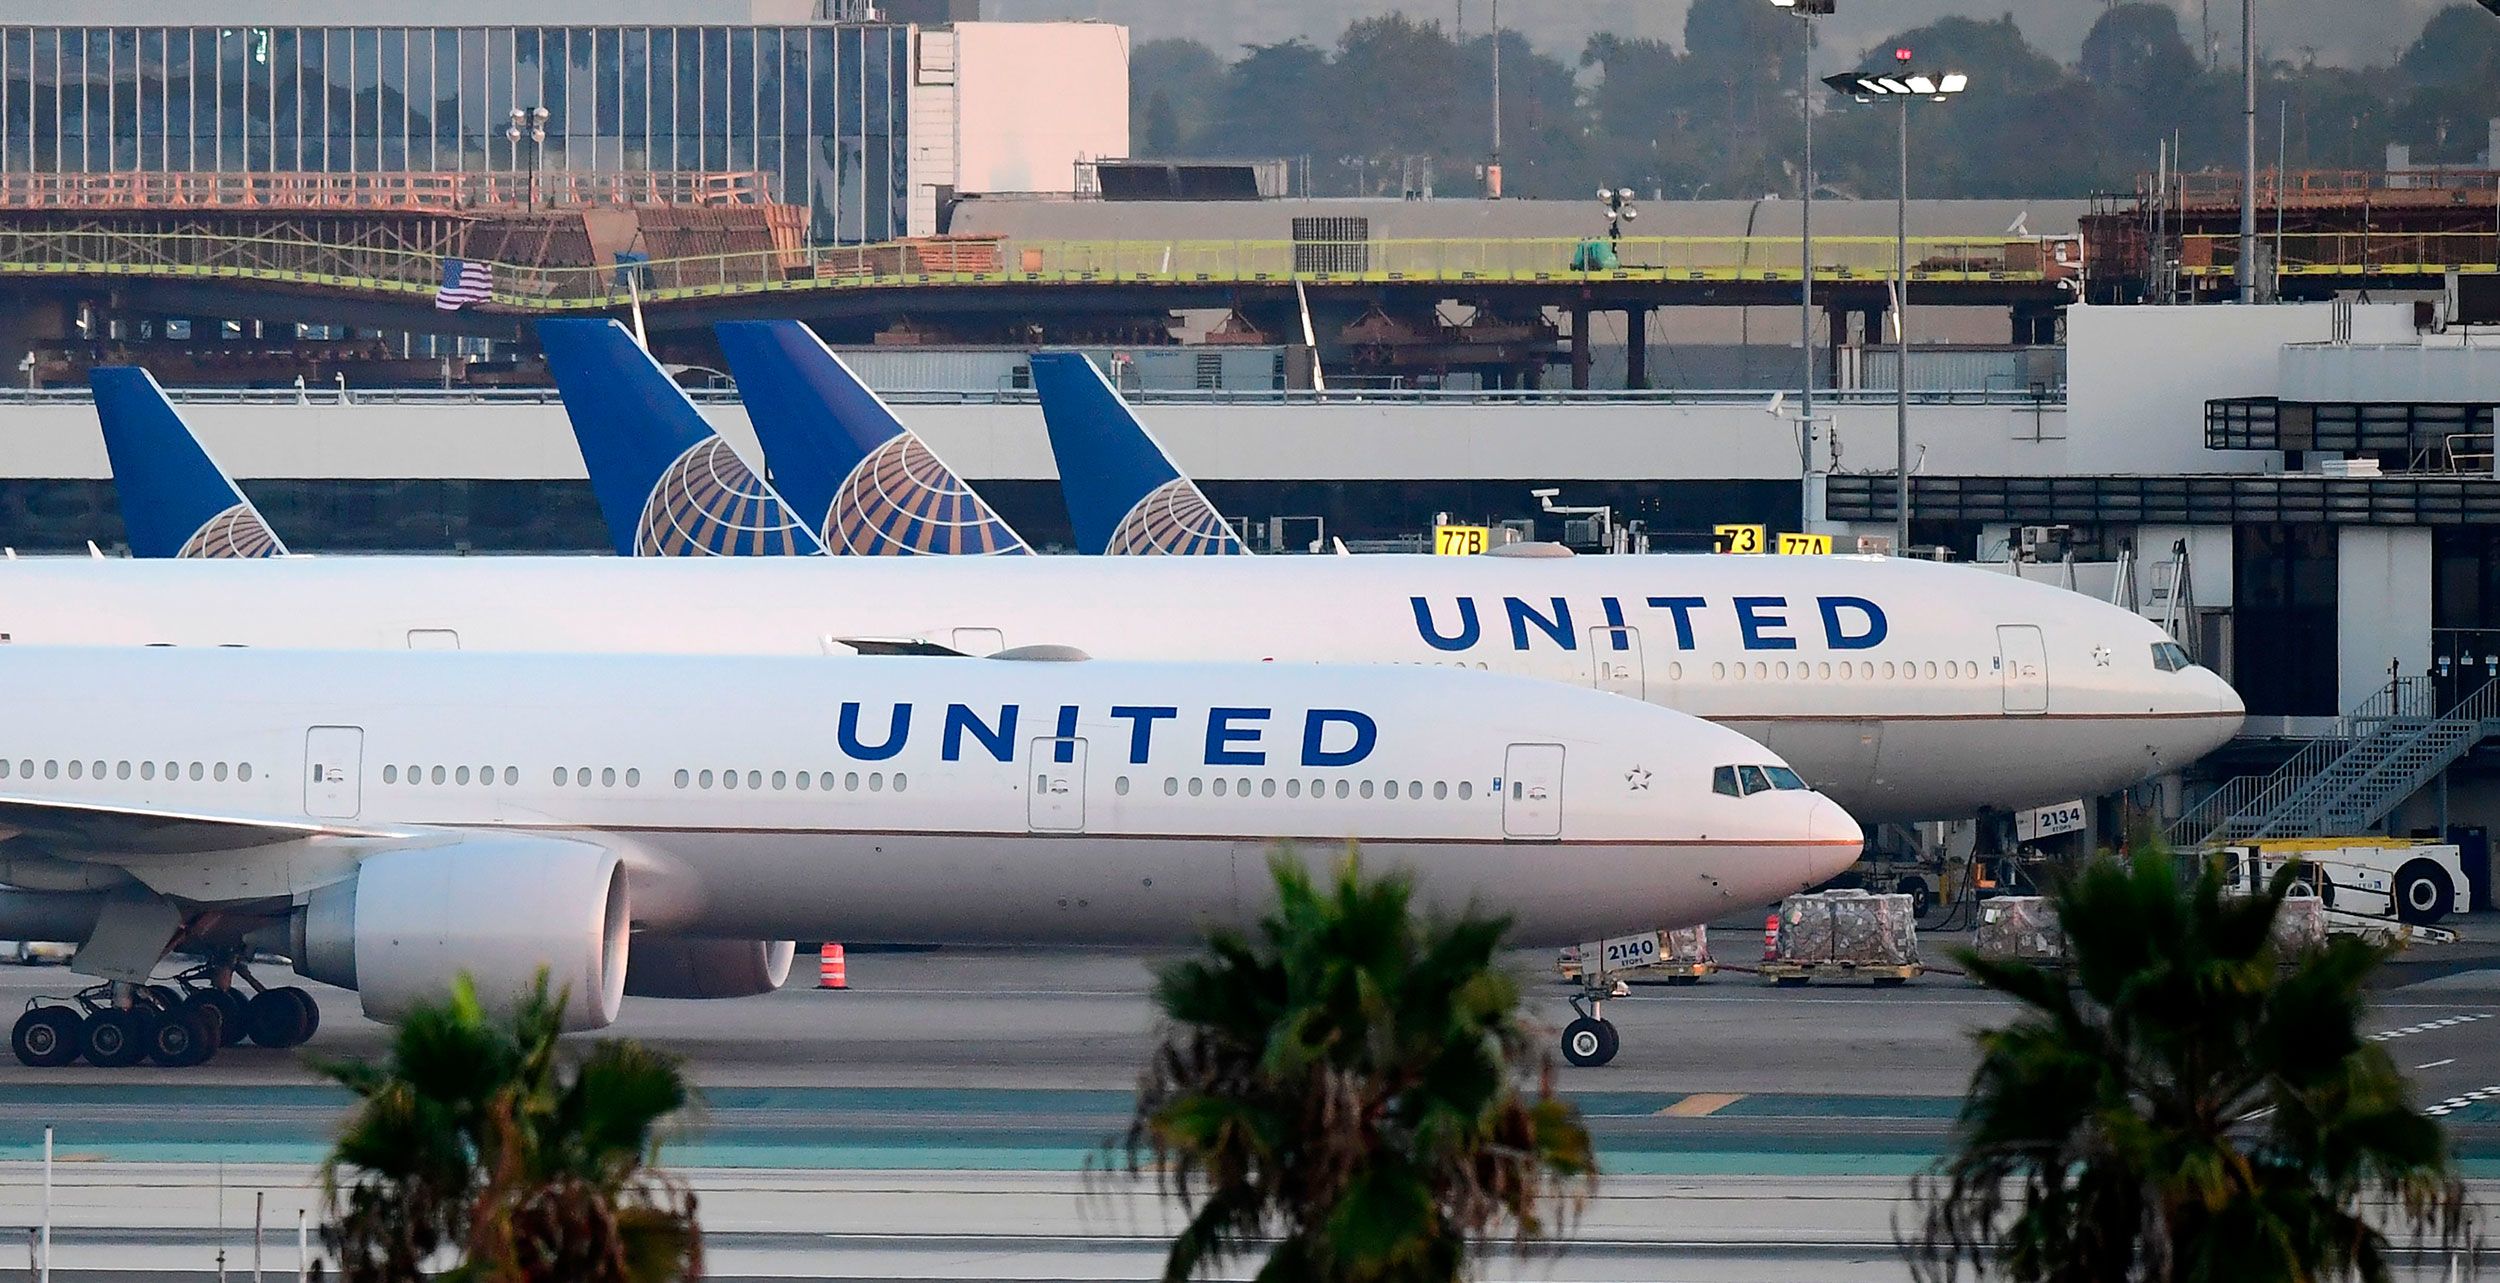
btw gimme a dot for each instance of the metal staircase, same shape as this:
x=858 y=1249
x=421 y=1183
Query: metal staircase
x=2350 y=778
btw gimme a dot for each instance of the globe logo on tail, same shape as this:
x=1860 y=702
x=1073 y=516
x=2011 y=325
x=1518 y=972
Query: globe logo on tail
x=901 y=502
x=710 y=504
x=238 y=532
x=1173 y=520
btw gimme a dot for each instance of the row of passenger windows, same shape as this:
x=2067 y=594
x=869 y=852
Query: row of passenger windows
x=26 y=768
x=1952 y=670
x=453 y=775
x=1745 y=781
x=803 y=781
x=1220 y=786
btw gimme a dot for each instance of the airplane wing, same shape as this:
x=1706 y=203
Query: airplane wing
x=96 y=831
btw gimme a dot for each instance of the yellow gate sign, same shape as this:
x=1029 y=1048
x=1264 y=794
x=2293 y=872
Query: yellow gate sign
x=1739 y=539
x=1805 y=545
x=1460 y=541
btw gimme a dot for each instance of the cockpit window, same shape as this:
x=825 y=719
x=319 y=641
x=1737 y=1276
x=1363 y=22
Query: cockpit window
x=1745 y=781
x=2171 y=657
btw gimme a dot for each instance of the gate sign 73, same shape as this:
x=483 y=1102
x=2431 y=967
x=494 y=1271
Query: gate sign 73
x=1738 y=539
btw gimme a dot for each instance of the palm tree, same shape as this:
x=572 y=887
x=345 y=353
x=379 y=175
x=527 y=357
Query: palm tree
x=1347 y=1083
x=473 y=1136
x=2187 y=1104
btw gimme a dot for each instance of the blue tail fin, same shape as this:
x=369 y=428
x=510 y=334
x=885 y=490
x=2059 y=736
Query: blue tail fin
x=843 y=458
x=1124 y=495
x=667 y=484
x=176 y=501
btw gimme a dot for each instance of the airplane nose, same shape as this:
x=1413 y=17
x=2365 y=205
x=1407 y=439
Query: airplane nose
x=1837 y=840
x=2227 y=700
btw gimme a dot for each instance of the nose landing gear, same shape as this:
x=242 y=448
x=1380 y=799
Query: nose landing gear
x=1590 y=1040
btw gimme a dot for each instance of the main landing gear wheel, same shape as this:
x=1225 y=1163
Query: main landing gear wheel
x=205 y=1008
x=282 y=1017
x=113 y=1039
x=48 y=1037
x=181 y=1038
x=1589 y=1042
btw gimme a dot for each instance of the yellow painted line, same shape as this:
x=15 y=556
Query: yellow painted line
x=1701 y=1104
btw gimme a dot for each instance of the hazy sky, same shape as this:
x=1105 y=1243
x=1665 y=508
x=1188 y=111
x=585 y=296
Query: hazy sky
x=2339 y=31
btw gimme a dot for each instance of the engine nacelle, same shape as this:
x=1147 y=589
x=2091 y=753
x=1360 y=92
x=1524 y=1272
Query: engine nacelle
x=665 y=967
x=500 y=908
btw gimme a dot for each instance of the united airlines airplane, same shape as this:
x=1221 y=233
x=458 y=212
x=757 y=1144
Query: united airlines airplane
x=389 y=821
x=667 y=485
x=872 y=485
x=175 y=500
x=1124 y=494
x=1906 y=690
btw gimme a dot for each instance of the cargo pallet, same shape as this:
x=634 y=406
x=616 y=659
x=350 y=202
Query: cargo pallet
x=1885 y=975
x=1688 y=971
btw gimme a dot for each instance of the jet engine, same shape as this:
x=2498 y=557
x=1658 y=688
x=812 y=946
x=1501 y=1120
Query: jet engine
x=498 y=908
x=666 y=967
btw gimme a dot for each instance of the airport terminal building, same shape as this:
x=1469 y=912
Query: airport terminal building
x=854 y=116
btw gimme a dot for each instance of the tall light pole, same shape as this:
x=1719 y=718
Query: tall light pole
x=1810 y=499
x=1493 y=171
x=1903 y=85
x=2248 y=158
x=532 y=122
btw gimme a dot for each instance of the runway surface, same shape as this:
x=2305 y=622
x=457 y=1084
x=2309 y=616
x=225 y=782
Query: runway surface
x=948 y=1117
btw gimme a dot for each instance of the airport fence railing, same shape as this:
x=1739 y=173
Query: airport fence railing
x=376 y=268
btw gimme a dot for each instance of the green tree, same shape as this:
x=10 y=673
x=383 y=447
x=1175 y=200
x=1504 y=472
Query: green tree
x=1173 y=85
x=476 y=1136
x=2189 y=1105
x=1346 y=1082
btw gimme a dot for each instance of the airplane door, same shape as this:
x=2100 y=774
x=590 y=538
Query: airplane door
x=2024 y=657
x=980 y=643
x=1615 y=661
x=433 y=639
x=1057 y=802
x=1532 y=780
x=334 y=769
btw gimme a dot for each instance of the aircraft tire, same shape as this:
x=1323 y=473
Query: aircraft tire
x=1589 y=1043
x=182 y=1039
x=237 y=1026
x=211 y=1013
x=48 y=1037
x=112 y=1040
x=277 y=1019
x=2423 y=893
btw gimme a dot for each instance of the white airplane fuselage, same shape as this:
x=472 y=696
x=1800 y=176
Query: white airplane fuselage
x=1903 y=689
x=941 y=799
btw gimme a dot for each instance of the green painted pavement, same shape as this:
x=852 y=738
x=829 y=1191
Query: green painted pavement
x=1004 y=1129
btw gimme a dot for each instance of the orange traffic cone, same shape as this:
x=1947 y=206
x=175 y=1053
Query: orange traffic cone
x=1771 y=938
x=829 y=970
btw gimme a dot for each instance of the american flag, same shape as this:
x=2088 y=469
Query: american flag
x=464 y=283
